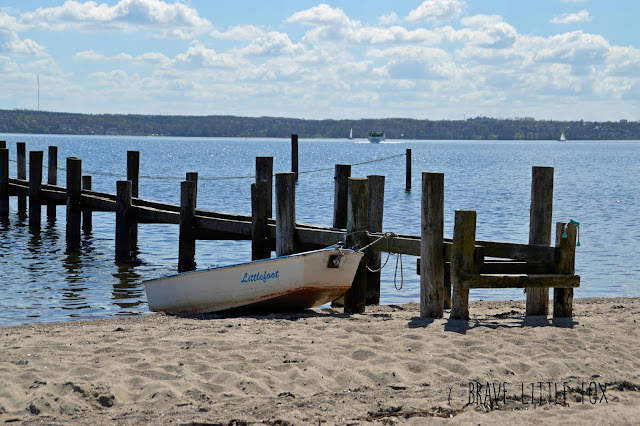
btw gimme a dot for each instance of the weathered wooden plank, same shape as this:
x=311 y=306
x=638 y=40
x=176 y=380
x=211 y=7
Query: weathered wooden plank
x=239 y=228
x=525 y=252
x=431 y=246
x=519 y=281
x=516 y=267
x=540 y=222
x=141 y=214
x=98 y=204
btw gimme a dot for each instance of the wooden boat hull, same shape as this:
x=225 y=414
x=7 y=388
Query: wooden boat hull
x=299 y=281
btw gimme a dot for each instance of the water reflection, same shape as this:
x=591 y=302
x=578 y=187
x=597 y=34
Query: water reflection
x=127 y=291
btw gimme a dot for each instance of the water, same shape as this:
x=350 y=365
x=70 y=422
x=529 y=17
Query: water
x=595 y=183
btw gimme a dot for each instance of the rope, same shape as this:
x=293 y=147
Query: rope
x=118 y=175
x=388 y=236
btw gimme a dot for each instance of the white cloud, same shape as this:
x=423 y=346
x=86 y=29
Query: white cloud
x=273 y=44
x=172 y=20
x=436 y=11
x=152 y=58
x=240 y=32
x=572 y=18
x=389 y=19
x=11 y=44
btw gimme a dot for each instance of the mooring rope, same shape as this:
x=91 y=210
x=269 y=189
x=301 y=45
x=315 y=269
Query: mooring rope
x=200 y=178
x=388 y=236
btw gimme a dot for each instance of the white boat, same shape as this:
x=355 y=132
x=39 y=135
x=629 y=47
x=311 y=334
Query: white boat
x=298 y=281
x=351 y=133
x=562 y=138
x=376 y=136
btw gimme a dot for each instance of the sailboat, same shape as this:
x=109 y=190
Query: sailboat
x=351 y=134
x=562 y=138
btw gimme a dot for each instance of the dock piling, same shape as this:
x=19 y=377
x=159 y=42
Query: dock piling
x=35 y=191
x=124 y=217
x=260 y=248
x=21 y=150
x=464 y=241
x=187 y=238
x=341 y=195
x=563 y=297
x=52 y=179
x=408 y=171
x=294 y=155
x=374 y=224
x=355 y=298
x=540 y=224
x=74 y=201
x=264 y=171
x=87 y=214
x=4 y=183
x=285 y=213
x=432 y=286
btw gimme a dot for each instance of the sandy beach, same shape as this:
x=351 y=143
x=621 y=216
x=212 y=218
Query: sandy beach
x=386 y=366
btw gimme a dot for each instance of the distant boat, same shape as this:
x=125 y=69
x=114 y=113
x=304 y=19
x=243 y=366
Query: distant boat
x=376 y=136
x=351 y=134
x=562 y=138
x=298 y=281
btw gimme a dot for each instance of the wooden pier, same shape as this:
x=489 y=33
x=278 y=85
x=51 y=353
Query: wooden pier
x=445 y=265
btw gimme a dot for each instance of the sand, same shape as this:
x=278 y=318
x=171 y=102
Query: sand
x=386 y=366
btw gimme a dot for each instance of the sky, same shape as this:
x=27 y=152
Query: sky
x=432 y=59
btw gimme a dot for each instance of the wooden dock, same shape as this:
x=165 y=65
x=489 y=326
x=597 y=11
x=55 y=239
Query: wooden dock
x=456 y=264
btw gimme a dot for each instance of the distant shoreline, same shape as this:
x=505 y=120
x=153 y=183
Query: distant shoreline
x=479 y=128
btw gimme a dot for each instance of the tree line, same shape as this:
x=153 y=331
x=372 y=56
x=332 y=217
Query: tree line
x=480 y=128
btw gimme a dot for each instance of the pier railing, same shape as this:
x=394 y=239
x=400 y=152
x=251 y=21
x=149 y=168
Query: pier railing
x=358 y=204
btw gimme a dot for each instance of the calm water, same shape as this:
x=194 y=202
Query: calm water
x=595 y=183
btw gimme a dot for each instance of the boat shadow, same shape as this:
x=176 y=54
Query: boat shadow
x=266 y=314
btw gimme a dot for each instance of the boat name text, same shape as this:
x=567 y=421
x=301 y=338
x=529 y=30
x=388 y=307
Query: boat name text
x=264 y=277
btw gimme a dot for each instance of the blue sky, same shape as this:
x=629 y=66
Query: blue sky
x=432 y=59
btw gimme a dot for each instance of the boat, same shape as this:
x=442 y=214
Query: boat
x=351 y=133
x=376 y=136
x=562 y=137
x=294 y=282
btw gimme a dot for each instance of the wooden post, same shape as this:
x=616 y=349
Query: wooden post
x=133 y=171
x=3 y=144
x=408 y=174
x=87 y=214
x=294 y=155
x=193 y=177
x=341 y=195
x=356 y=297
x=52 y=179
x=374 y=224
x=4 y=184
x=264 y=171
x=431 y=246
x=35 y=191
x=74 y=200
x=22 y=174
x=259 y=220
x=285 y=213
x=124 y=213
x=540 y=224
x=563 y=297
x=187 y=239
x=464 y=240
